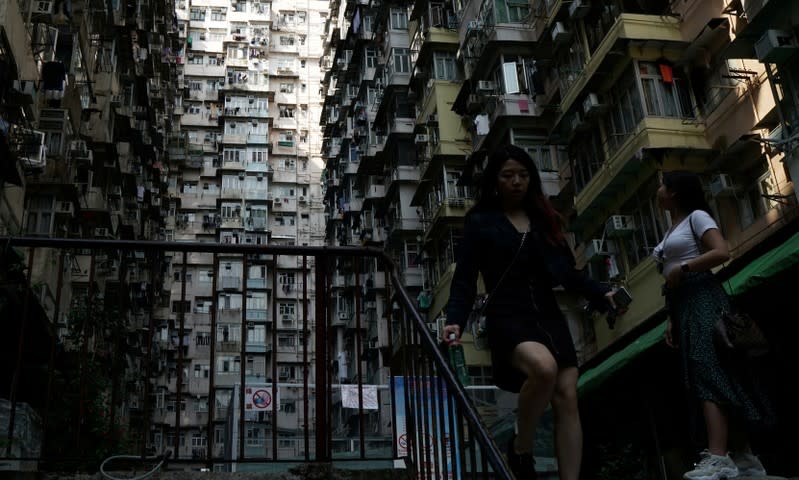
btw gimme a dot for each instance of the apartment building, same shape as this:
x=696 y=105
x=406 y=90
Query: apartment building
x=603 y=95
x=248 y=171
x=87 y=95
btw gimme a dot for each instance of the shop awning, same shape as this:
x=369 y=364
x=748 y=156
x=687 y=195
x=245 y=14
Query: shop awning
x=596 y=376
x=767 y=265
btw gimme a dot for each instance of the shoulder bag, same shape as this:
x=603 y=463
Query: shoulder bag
x=476 y=321
x=734 y=330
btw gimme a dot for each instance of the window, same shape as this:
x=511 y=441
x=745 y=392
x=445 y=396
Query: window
x=371 y=57
x=203 y=339
x=218 y=15
x=197 y=14
x=754 y=201
x=202 y=371
x=445 y=66
x=254 y=438
x=256 y=334
x=286 y=278
x=399 y=19
x=286 y=111
x=40 y=214
x=402 y=61
x=286 y=341
x=196 y=60
x=518 y=10
x=181 y=307
x=510 y=77
x=627 y=111
x=662 y=98
x=286 y=88
x=227 y=364
x=286 y=40
x=649 y=221
x=286 y=308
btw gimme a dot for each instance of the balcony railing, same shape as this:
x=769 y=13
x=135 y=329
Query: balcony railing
x=112 y=361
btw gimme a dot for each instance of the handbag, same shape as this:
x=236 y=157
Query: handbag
x=735 y=330
x=739 y=333
x=476 y=321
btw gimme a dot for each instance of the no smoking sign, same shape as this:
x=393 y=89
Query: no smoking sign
x=258 y=399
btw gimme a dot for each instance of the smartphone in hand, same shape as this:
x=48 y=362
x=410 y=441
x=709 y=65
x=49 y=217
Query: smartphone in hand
x=622 y=298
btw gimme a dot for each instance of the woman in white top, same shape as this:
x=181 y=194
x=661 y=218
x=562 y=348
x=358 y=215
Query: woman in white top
x=689 y=250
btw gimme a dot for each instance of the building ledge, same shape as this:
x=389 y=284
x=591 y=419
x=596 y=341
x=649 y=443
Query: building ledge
x=629 y=26
x=651 y=133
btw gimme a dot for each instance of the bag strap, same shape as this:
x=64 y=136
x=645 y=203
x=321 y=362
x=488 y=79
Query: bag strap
x=501 y=278
x=697 y=240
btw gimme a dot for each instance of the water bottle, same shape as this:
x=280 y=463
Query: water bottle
x=457 y=359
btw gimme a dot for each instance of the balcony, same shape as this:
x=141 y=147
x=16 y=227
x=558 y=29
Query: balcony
x=651 y=133
x=227 y=282
x=650 y=28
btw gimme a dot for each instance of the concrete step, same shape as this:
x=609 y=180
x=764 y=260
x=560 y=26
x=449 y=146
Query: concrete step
x=301 y=472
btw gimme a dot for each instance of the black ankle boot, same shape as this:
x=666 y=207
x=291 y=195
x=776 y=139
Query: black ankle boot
x=522 y=465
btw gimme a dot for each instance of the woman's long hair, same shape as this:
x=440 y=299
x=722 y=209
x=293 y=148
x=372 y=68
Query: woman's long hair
x=687 y=189
x=536 y=204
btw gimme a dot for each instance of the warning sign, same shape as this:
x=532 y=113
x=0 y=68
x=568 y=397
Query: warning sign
x=258 y=399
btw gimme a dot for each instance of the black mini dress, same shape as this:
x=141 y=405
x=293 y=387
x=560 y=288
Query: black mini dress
x=524 y=309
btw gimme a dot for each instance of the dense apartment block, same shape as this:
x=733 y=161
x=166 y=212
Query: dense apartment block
x=603 y=95
x=87 y=93
x=247 y=171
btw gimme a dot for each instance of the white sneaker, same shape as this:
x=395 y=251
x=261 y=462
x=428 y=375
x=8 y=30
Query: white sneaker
x=713 y=467
x=749 y=465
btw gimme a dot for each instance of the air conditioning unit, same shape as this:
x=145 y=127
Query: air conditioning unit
x=776 y=46
x=343 y=316
x=721 y=185
x=597 y=248
x=560 y=35
x=620 y=225
x=41 y=7
x=592 y=105
x=33 y=154
x=102 y=232
x=302 y=199
x=116 y=100
x=278 y=202
x=486 y=86
x=421 y=138
x=579 y=9
x=474 y=25
x=65 y=208
x=286 y=318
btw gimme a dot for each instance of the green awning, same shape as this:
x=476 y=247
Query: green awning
x=767 y=265
x=594 y=377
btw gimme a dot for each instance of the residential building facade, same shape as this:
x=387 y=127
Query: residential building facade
x=603 y=95
x=248 y=171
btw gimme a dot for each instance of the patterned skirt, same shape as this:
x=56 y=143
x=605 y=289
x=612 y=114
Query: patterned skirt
x=710 y=374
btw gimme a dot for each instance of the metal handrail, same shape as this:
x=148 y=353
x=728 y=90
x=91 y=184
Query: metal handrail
x=479 y=433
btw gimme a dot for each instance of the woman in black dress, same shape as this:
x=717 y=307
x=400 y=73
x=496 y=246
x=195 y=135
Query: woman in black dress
x=531 y=347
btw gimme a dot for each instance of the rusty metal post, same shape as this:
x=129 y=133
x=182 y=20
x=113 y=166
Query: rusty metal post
x=243 y=358
x=322 y=383
x=53 y=343
x=179 y=369
x=20 y=352
x=212 y=368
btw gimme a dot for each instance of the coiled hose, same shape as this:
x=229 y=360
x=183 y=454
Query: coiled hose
x=162 y=460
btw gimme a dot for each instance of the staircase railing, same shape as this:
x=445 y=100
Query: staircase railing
x=141 y=335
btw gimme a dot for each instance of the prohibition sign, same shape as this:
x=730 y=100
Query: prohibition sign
x=261 y=399
x=403 y=441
